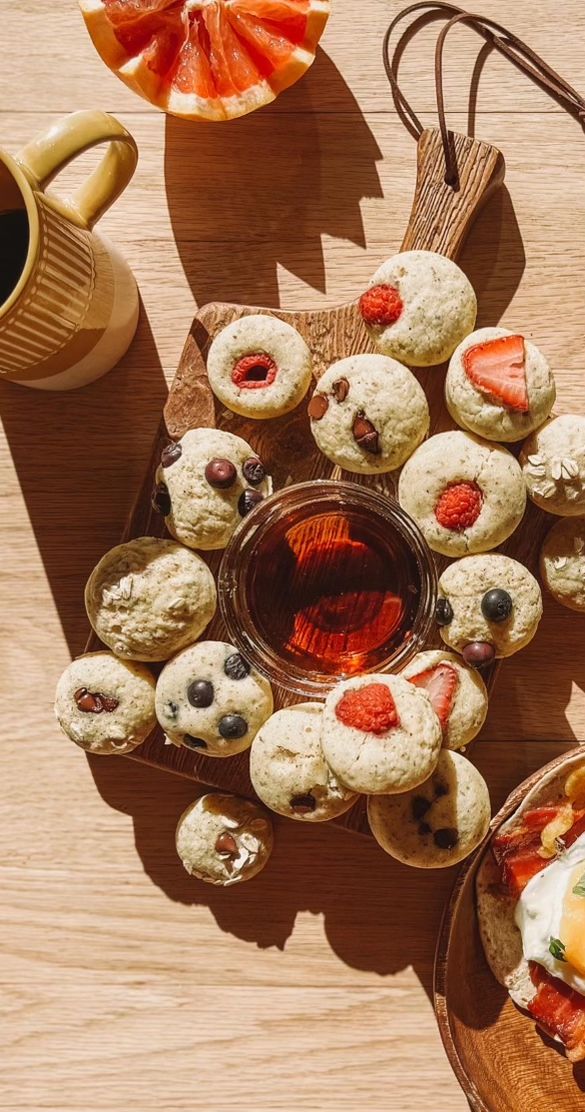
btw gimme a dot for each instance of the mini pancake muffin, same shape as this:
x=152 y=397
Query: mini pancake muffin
x=380 y=734
x=553 y=462
x=499 y=385
x=457 y=694
x=562 y=562
x=105 y=705
x=210 y=699
x=223 y=839
x=148 y=598
x=368 y=414
x=259 y=366
x=488 y=606
x=418 y=307
x=206 y=483
x=288 y=770
x=437 y=824
x=465 y=494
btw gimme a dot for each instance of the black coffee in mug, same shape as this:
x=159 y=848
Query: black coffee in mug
x=14 y=239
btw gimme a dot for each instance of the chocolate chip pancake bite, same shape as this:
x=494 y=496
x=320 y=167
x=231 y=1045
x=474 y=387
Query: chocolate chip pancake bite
x=465 y=494
x=488 y=606
x=210 y=699
x=288 y=769
x=458 y=694
x=206 y=483
x=562 y=562
x=368 y=414
x=148 y=598
x=499 y=385
x=105 y=705
x=380 y=734
x=438 y=823
x=223 y=839
x=259 y=366
x=418 y=307
x=553 y=463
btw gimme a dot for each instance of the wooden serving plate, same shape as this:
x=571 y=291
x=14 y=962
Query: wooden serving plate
x=440 y=219
x=501 y=1060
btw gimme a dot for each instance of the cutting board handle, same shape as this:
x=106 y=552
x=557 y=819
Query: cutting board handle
x=441 y=215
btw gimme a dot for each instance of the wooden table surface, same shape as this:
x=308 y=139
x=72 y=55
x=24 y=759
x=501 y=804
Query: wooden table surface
x=126 y=984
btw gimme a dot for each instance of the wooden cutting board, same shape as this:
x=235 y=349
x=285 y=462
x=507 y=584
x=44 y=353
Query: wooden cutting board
x=440 y=219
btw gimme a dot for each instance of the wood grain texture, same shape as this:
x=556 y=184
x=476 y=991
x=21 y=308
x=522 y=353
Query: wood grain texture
x=501 y=1057
x=126 y=983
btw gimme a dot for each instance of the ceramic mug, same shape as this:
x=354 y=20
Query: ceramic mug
x=68 y=300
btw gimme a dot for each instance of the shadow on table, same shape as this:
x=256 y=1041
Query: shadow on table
x=379 y=916
x=267 y=187
x=59 y=442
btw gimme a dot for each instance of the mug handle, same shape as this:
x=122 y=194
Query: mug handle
x=45 y=156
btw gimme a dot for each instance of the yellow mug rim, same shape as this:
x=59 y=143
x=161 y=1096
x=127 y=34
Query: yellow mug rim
x=17 y=172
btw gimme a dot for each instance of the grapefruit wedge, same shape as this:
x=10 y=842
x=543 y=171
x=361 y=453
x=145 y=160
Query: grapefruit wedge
x=207 y=59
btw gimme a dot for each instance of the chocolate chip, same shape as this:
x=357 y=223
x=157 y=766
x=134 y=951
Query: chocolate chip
x=221 y=473
x=170 y=454
x=93 y=702
x=340 y=389
x=171 y=710
x=226 y=844
x=200 y=693
x=194 y=742
x=233 y=726
x=318 y=407
x=254 y=472
x=236 y=667
x=424 y=828
x=248 y=500
x=420 y=806
x=365 y=435
x=161 y=499
x=303 y=804
x=446 y=838
x=440 y=788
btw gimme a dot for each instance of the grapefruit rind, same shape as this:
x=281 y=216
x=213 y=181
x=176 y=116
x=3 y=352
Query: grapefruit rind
x=250 y=51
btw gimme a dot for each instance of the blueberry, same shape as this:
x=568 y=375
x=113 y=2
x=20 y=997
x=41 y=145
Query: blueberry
x=446 y=838
x=200 y=693
x=478 y=654
x=254 y=472
x=236 y=667
x=496 y=605
x=248 y=500
x=194 y=742
x=443 y=612
x=233 y=726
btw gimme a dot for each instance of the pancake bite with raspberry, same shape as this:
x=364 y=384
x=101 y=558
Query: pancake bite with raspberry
x=499 y=385
x=466 y=495
x=205 y=484
x=368 y=414
x=380 y=734
x=418 y=308
x=488 y=607
x=259 y=366
x=457 y=693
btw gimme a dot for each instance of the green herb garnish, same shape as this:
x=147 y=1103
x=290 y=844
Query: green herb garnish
x=579 y=889
x=557 y=949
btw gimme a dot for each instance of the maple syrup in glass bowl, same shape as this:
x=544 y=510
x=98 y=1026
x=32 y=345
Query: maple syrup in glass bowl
x=324 y=580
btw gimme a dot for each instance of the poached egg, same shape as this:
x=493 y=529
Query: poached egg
x=551 y=917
